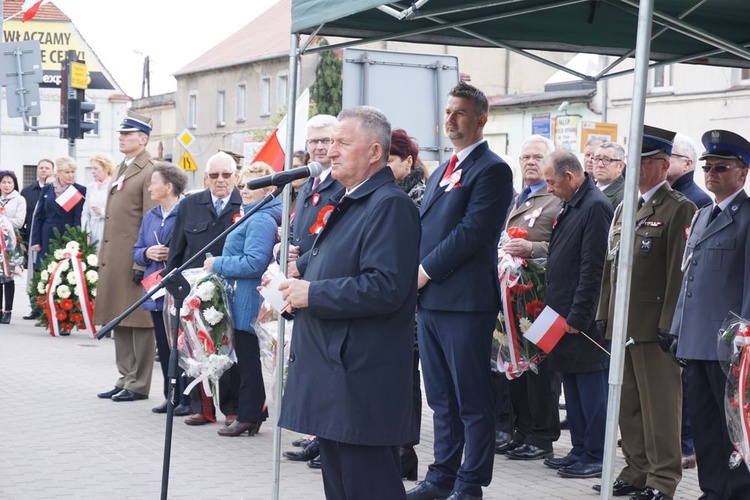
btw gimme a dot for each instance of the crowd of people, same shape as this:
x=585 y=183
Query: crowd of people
x=391 y=269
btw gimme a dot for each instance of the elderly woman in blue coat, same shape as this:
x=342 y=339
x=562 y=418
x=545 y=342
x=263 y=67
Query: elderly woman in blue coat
x=247 y=252
x=150 y=251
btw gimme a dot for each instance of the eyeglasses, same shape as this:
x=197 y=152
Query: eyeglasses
x=675 y=155
x=719 y=169
x=225 y=175
x=605 y=161
x=326 y=141
x=529 y=157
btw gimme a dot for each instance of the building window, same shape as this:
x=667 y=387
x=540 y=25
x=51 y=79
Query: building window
x=743 y=76
x=220 y=110
x=662 y=78
x=34 y=122
x=282 y=89
x=265 y=96
x=29 y=175
x=241 y=102
x=93 y=118
x=193 y=110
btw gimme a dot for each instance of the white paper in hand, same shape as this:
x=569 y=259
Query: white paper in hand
x=273 y=295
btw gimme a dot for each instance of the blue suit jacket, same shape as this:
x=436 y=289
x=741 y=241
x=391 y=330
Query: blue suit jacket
x=350 y=362
x=460 y=231
x=715 y=281
x=49 y=215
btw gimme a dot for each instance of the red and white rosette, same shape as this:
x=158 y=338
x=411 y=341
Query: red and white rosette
x=82 y=290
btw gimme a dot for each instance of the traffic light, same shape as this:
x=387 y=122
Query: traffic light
x=77 y=109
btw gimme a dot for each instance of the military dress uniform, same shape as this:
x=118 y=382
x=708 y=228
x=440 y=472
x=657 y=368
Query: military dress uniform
x=651 y=389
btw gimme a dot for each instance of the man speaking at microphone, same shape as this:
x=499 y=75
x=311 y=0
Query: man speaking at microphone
x=349 y=380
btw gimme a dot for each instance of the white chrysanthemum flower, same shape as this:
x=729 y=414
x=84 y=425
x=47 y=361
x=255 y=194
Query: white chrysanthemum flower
x=73 y=246
x=59 y=254
x=501 y=338
x=213 y=316
x=205 y=290
x=92 y=292
x=51 y=267
x=64 y=266
x=524 y=324
x=92 y=276
x=71 y=278
x=92 y=260
x=63 y=291
x=44 y=276
x=41 y=288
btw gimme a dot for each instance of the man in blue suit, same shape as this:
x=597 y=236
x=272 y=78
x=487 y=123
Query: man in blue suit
x=717 y=270
x=350 y=363
x=463 y=213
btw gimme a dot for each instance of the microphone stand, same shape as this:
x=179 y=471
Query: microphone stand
x=177 y=285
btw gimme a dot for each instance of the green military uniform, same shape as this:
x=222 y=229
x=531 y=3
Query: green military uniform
x=651 y=398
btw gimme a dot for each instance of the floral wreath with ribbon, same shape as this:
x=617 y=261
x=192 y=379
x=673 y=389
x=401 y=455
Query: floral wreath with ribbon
x=734 y=341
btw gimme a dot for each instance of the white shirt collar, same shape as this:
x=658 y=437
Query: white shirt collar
x=464 y=153
x=651 y=192
x=724 y=204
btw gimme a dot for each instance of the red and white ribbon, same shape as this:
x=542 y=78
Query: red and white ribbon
x=82 y=291
x=4 y=256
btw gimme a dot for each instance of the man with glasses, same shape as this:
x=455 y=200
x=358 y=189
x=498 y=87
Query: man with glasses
x=314 y=194
x=609 y=161
x=717 y=270
x=651 y=388
x=533 y=396
x=201 y=218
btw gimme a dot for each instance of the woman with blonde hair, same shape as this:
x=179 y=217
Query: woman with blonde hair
x=92 y=218
x=247 y=252
x=49 y=214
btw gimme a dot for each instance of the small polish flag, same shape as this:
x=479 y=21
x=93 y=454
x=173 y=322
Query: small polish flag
x=30 y=8
x=546 y=330
x=69 y=198
x=272 y=152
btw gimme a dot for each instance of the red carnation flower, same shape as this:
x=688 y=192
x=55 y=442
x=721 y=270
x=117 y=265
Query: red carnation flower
x=66 y=304
x=534 y=308
x=517 y=232
x=61 y=315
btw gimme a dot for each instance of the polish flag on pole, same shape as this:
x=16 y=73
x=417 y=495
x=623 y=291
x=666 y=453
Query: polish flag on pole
x=546 y=330
x=69 y=198
x=30 y=8
x=273 y=151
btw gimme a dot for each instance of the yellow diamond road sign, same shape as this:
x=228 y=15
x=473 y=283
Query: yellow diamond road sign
x=187 y=163
x=186 y=139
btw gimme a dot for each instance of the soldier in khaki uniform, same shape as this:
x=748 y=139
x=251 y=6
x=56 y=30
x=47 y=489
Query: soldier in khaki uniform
x=119 y=277
x=651 y=392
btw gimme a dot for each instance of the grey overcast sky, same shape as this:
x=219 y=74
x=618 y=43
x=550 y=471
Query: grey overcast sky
x=171 y=32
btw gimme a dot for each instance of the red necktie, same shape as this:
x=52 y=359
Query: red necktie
x=451 y=166
x=316 y=183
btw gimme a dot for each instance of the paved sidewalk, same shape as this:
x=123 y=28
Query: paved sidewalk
x=59 y=441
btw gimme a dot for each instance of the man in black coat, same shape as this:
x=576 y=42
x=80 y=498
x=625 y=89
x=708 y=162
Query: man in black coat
x=577 y=250
x=201 y=218
x=350 y=364
x=30 y=193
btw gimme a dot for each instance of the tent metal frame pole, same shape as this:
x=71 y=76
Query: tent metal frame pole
x=625 y=264
x=294 y=62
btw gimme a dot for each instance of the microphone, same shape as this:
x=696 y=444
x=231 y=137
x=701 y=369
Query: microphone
x=312 y=169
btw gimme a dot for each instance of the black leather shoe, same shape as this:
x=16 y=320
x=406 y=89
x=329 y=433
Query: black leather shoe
x=315 y=463
x=557 y=463
x=301 y=442
x=5 y=318
x=162 y=408
x=462 y=495
x=511 y=445
x=619 y=488
x=581 y=470
x=650 y=493
x=182 y=411
x=425 y=490
x=311 y=451
x=31 y=315
x=528 y=452
x=109 y=394
x=126 y=395
x=502 y=438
